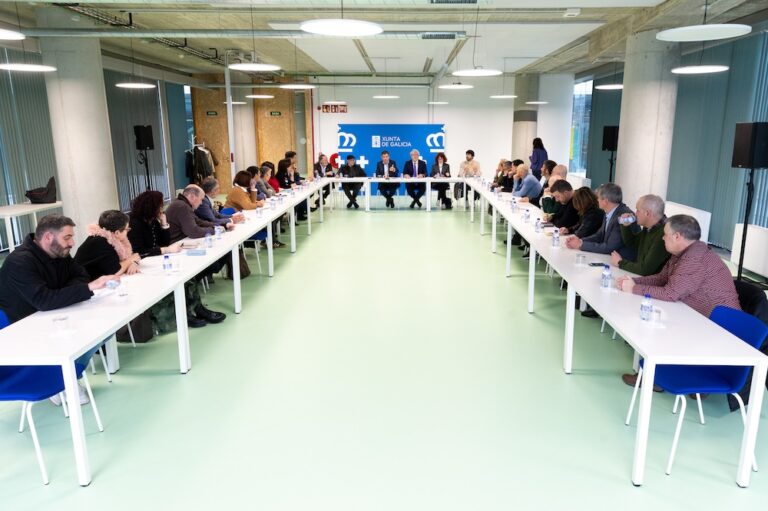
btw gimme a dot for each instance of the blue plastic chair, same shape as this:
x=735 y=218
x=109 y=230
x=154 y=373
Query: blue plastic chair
x=31 y=384
x=259 y=236
x=681 y=380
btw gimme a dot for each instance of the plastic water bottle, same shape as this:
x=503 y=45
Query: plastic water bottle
x=219 y=231
x=556 y=238
x=537 y=225
x=112 y=284
x=606 y=282
x=646 y=308
x=527 y=216
x=167 y=265
x=208 y=240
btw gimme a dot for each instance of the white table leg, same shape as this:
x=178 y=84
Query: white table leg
x=482 y=215
x=292 y=220
x=113 y=358
x=749 y=438
x=636 y=362
x=493 y=230
x=570 y=314
x=270 y=251
x=643 y=421
x=236 y=278
x=509 y=249
x=182 y=330
x=9 y=234
x=76 y=423
x=471 y=206
x=465 y=195
x=322 y=203
x=309 y=218
x=429 y=196
x=531 y=277
x=367 y=188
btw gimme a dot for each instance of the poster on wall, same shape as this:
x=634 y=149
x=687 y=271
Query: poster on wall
x=334 y=109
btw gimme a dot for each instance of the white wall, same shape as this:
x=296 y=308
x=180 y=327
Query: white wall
x=472 y=120
x=554 y=120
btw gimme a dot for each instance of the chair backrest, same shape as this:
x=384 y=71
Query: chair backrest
x=752 y=299
x=228 y=211
x=746 y=327
x=4 y=321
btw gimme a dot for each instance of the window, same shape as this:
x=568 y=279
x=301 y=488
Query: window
x=582 y=107
x=190 y=119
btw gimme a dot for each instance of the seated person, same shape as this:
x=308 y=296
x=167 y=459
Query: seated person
x=387 y=168
x=272 y=180
x=415 y=168
x=351 y=190
x=647 y=243
x=441 y=169
x=242 y=196
x=322 y=169
x=150 y=235
x=694 y=274
x=566 y=216
x=261 y=182
x=470 y=168
x=526 y=184
x=547 y=203
x=507 y=181
x=608 y=236
x=289 y=179
x=498 y=174
x=590 y=215
x=40 y=275
x=546 y=171
x=254 y=172
x=106 y=250
x=182 y=219
x=206 y=211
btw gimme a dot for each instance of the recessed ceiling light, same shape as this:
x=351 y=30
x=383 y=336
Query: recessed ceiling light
x=341 y=27
x=27 y=68
x=334 y=102
x=11 y=35
x=609 y=86
x=699 y=70
x=385 y=96
x=297 y=86
x=437 y=102
x=260 y=96
x=712 y=32
x=254 y=67
x=135 y=85
x=536 y=102
x=456 y=86
x=477 y=71
x=503 y=96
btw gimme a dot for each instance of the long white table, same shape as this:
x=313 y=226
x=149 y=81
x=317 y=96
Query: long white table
x=367 y=181
x=682 y=338
x=8 y=213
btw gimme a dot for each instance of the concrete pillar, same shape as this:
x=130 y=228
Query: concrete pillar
x=555 y=118
x=79 y=120
x=245 y=130
x=647 y=116
x=525 y=116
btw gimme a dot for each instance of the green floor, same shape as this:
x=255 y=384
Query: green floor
x=388 y=365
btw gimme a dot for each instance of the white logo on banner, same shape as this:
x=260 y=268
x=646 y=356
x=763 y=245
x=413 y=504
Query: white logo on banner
x=363 y=161
x=376 y=141
x=347 y=142
x=436 y=142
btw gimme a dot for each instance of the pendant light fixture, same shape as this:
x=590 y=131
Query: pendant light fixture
x=704 y=32
x=296 y=85
x=334 y=101
x=132 y=83
x=476 y=71
x=386 y=95
x=456 y=86
x=23 y=66
x=611 y=86
x=11 y=35
x=253 y=66
x=341 y=27
x=503 y=94
x=700 y=68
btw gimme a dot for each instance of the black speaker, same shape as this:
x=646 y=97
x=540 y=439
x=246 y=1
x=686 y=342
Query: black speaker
x=750 y=145
x=144 y=139
x=610 y=138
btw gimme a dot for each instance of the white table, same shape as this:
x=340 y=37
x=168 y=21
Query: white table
x=684 y=337
x=429 y=181
x=16 y=210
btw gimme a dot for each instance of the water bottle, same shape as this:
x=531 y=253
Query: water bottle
x=112 y=284
x=606 y=282
x=208 y=240
x=514 y=205
x=167 y=265
x=526 y=216
x=219 y=230
x=537 y=225
x=556 y=238
x=646 y=308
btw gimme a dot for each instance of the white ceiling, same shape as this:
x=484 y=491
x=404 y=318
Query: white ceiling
x=509 y=4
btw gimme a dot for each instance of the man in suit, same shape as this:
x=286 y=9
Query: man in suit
x=322 y=169
x=415 y=168
x=387 y=168
x=351 y=190
x=206 y=211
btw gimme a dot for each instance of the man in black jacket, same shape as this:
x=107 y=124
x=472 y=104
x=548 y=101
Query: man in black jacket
x=415 y=168
x=351 y=169
x=40 y=275
x=387 y=168
x=566 y=216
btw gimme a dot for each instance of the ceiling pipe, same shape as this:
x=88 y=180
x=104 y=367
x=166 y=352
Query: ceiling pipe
x=223 y=34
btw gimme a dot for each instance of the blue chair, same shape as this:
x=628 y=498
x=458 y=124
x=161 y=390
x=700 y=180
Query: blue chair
x=681 y=380
x=256 y=238
x=31 y=384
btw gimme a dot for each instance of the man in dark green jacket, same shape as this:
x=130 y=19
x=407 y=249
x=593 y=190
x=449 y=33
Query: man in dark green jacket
x=647 y=242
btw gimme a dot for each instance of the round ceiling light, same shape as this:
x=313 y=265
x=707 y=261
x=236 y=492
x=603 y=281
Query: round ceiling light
x=477 y=71
x=341 y=27
x=334 y=102
x=437 y=102
x=255 y=67
x=297 y=86
x=609 y=86
x=260 y=96
x=11 y=35
x=456 y=86
x=537 y=102
x=712 y=32
x=135 y=85
x=699 y=70
x=27 y=68
x=386 y=96
x=503 y=96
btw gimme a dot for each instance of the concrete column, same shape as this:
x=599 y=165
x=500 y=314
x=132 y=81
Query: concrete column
x=525 y=116
x=245 y=130
x=555 y=118
x=647 y=116
x=79 y=120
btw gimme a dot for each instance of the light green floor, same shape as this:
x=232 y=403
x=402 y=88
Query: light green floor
x=388 y=365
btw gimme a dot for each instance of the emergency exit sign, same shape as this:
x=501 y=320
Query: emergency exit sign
x=275 y=113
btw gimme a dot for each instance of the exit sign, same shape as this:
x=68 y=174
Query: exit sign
x=275 y=113
x=211 y=113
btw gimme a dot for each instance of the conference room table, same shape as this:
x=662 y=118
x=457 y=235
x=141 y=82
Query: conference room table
x=681 y=337
x=367 y=181
x=8 y=213
x=61 y=336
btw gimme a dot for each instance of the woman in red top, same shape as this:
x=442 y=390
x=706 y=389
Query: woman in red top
x=273 y=182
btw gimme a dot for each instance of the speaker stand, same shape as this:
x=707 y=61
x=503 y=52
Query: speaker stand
x=748 y=210
x=611 y=161
x=144 y=160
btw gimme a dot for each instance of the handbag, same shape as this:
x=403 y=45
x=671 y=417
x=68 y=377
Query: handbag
x=44 y=195
x=142 y=329
x=245 y=270
x=458 y=191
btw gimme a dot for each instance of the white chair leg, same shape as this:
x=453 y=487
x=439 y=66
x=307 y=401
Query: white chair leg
x=701 y=409
x=38 y=451
x=677 y=436
x=93 y=402
x=674 y=407
x=23 y=416
x=744 y=421
x=130 y=332
x=634 y=396
x=104 y=364
x=93 y=367
x=64 y=405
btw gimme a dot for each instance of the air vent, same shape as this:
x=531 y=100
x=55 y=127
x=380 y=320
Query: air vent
x=438 y=35
x=453 y=1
